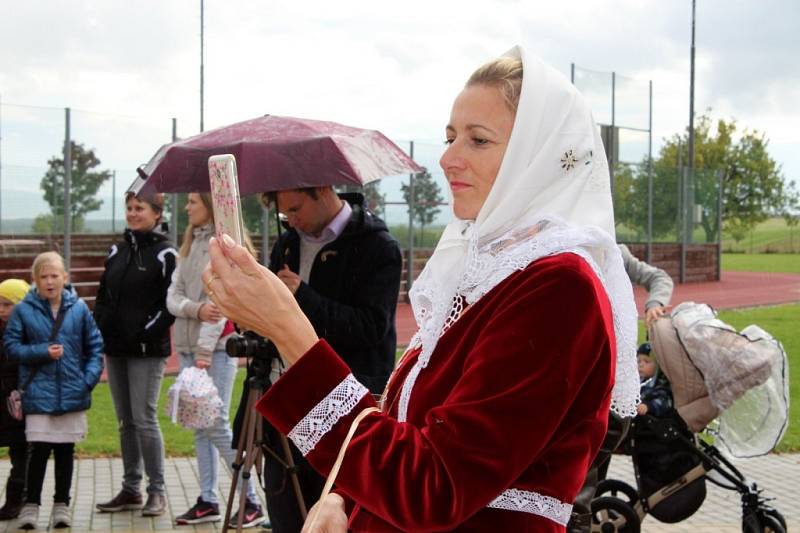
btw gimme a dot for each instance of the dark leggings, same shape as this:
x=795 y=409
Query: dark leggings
x=40 y=453
x=15 y=486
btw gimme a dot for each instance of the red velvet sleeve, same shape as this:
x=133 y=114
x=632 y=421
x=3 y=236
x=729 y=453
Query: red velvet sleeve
x=524 y=377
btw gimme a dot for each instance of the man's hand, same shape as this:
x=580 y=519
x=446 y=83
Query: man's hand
x=209 y=312
x=331 y=519
x=55 y=351
x=289 y=278
x=201 y=363
x=653 y=314
x=641 y=409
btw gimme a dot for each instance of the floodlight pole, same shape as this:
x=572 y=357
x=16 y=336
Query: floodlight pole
x=202 y=28
x=67 y=191
x=650 y=176
x=688 y=204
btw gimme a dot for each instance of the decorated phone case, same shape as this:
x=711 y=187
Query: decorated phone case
x=225 y=195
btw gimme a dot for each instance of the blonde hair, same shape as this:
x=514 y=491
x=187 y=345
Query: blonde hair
x=47 y=258
x=504 y=73
x=188 y=234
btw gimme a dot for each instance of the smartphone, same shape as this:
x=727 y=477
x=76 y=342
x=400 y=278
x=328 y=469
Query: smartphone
x=225 y=196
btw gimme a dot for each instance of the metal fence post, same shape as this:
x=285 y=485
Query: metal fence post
x=613 y=159
x=684 y=224
x=265 y=235
x=67 y=186
x=720 y=190
x=173 y=198
x=1 y=166
x=114 y=201
x=412 y=197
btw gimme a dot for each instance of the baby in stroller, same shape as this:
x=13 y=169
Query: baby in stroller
x=655 y=389
x=729 y=385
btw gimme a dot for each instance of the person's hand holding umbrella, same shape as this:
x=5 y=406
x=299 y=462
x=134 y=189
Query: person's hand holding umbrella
x=256 y=299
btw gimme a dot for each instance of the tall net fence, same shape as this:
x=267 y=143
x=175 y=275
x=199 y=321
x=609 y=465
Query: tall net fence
x=111 y=146
x=108 y=148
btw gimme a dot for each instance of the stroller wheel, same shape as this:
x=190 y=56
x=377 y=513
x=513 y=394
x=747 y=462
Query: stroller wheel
x=765 y=521
x=612 y=515
x=771 y=524
x=774 y=514
x=617 y=489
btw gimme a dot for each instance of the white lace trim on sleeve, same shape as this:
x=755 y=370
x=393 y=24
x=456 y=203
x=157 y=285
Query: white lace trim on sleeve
x=526 y=501
x=321 y=419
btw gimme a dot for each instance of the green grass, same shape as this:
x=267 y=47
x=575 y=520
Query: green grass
x=772 y=235
x=761 y=262
x=103 y=439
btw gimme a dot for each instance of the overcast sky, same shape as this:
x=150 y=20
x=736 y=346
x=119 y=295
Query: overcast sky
x=390 y=66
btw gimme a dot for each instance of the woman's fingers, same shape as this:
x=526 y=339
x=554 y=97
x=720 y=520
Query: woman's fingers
x=330 y=516
x=240 y=257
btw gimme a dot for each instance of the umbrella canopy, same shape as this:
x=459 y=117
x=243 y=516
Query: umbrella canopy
x=276 y=153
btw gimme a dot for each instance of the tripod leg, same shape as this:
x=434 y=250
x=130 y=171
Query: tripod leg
x=253 y=450
x=244 y=447
x=295 y=482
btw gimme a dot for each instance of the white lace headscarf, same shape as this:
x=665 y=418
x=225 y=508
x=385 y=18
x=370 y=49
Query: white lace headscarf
x=552 y=195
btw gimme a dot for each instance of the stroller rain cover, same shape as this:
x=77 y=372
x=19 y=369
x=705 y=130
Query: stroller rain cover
x=745 y=373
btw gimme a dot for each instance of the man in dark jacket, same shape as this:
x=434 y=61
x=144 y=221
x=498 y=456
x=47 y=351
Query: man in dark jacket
x=343 y=267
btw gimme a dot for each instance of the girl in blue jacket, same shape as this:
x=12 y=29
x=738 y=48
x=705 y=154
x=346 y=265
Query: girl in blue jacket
x=57 y=376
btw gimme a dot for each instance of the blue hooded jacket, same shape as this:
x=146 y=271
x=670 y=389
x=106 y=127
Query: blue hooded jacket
x=61 y=386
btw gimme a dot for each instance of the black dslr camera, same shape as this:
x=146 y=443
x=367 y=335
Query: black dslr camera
x=249 y=344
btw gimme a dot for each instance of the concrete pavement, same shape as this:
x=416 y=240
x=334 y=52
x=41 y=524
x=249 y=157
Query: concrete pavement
x=98 y=479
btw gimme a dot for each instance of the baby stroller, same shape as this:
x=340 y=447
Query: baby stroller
x=732 y=389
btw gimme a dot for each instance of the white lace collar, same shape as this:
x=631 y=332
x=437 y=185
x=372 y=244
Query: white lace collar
x=489 y=264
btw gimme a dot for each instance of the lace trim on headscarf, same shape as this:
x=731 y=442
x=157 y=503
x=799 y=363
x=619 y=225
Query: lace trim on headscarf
x=487 y=265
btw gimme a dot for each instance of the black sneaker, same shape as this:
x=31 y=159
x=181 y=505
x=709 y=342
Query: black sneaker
x=253 y=516
x=201 y=512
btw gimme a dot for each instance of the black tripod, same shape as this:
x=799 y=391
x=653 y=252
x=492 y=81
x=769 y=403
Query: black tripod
x=251 y=448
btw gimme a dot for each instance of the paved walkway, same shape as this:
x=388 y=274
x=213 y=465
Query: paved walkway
x=778 y=475
x=95 y=480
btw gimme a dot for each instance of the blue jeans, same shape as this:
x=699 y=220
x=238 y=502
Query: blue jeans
x=135 y=383
x=210 y=443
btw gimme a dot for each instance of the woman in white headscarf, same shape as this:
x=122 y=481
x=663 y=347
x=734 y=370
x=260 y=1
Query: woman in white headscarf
x=526 y=332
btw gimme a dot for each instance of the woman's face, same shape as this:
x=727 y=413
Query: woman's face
x=50 y=281
x=140 y=215
x=197 y=211
x=478 y=133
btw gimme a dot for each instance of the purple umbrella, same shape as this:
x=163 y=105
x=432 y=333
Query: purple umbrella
x=277 y=153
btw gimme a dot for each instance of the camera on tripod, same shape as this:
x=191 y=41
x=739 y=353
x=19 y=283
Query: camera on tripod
x=249 y=344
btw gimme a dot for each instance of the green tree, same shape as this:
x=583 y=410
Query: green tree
x=427 y=198
x=84 y=185
x=753 y=186
x=791 y=215
x=374 y=200
x=47 y=223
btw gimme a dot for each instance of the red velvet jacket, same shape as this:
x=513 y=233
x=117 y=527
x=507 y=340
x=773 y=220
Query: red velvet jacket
x=516 y=396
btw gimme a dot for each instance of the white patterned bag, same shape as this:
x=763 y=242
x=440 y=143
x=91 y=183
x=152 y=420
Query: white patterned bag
x=193 y=400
